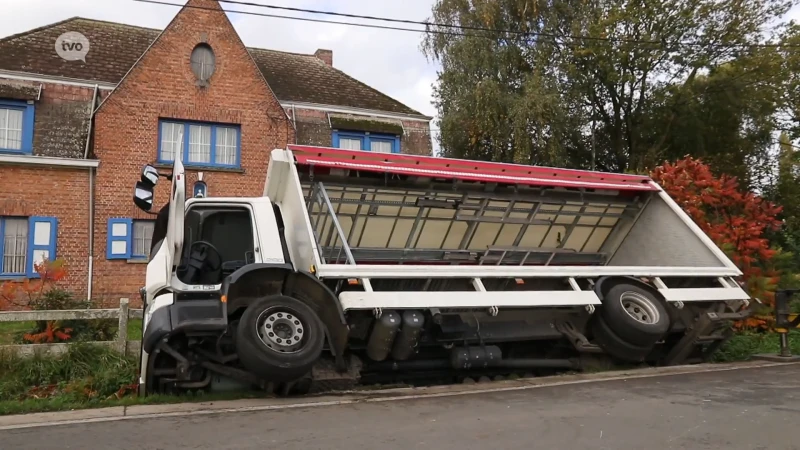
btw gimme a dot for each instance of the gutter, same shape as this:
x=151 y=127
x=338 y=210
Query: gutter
x=39 y=78
x=358 y=111
x=49 y=161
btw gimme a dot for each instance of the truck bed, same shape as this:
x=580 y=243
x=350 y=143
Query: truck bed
x=397 y=225
x=369 y=210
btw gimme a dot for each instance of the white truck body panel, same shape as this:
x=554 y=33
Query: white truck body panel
x=477 y=299
x=663 y=241
x=283 y=186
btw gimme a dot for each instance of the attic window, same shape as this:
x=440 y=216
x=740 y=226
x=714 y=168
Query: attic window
x=203 y=62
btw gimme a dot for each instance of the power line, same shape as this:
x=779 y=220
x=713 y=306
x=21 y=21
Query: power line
x=430 y=27
x=435 y=24
x=498 y=30
x=302 y=19
x=428 y=24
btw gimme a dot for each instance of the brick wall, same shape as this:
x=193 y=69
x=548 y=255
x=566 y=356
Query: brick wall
x=416 y=139
x=312 y=127
x=162 y=85
x=62 y=193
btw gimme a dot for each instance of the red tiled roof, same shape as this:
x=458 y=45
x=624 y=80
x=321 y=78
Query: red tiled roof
x=115 y=47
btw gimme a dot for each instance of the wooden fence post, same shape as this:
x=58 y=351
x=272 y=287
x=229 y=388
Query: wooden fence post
x=122 y=332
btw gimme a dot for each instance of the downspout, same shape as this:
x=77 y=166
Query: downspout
x=91 y=196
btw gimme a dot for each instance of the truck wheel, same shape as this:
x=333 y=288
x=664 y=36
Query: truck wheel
x=279 y=338
x=634 y=314
x=614 y=345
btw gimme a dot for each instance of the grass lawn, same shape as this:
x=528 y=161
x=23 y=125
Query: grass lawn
x=89 y=376
x=10 y=330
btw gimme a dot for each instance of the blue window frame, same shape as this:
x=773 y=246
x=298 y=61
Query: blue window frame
x=16 y=126
x=25 y=241
x=129 y=238
x=372 y=142
x=199 y=143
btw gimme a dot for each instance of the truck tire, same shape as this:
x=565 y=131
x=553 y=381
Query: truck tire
x=634 y=314
x=279 y=338
x=615 y=346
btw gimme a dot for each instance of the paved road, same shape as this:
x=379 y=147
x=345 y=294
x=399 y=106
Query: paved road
x=740 y=409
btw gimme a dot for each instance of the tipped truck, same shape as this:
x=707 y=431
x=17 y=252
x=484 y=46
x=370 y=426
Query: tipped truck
x=359 y=267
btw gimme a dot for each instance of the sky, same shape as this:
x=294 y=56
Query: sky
x=390 y=61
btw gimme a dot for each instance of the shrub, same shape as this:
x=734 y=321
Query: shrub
x=44 y=294
x=736 y=221
x=83 y=372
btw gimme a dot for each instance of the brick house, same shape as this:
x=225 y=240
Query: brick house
x=75 y=134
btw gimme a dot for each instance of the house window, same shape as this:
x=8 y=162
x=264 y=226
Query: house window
x=203 y=62
x=350 y=143
x=16 y=126
x=25 y=241
x=142 y=238
x=129 y=239
x=14 y=231
x=199 y=144
x=373 y=142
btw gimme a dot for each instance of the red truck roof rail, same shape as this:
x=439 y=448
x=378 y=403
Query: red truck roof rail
x=449 y=168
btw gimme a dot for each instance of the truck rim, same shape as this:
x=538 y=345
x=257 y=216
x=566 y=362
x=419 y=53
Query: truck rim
x=281 y=330
x=639 y=307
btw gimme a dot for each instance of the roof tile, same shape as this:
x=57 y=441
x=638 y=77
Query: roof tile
x=115 y=48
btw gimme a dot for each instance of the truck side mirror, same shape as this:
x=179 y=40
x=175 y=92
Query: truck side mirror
x=143 y=196
x=149 y=175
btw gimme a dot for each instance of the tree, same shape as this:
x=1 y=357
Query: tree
x=727 y=117
x=786 y=192
x=738 y=222
x=531 y=91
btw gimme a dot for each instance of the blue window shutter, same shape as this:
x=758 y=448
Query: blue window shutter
x=42 y=237
x=119 y=238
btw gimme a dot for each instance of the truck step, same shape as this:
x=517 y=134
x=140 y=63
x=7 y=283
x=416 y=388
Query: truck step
x=326 y=378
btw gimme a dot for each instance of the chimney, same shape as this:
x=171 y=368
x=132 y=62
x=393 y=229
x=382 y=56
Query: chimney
x=325 y=55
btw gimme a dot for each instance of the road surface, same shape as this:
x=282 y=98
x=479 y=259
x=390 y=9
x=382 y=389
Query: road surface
x=739 y=409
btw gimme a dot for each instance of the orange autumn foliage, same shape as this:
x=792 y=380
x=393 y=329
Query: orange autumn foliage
x=24 y=294
x=736 y=221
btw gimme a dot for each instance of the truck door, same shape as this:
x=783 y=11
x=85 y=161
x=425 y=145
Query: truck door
x=162 y=264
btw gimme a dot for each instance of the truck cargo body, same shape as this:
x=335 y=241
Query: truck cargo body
x=408 y=267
